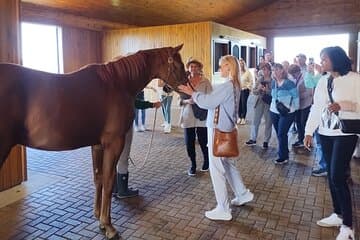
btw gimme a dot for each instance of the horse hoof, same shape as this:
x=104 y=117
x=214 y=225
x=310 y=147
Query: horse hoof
x=115 y=237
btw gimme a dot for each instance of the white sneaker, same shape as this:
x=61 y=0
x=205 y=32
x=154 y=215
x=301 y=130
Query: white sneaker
x=345 y=233
x=167 y=128
x=244 y=198
x=243 y=121
x=332 y=221
x=136 y=129
x=142 y=128
x=218 y=214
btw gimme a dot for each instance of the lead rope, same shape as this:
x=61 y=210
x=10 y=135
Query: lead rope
x=142 y=164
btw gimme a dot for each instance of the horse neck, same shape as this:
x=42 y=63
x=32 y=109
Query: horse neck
x=134 y=70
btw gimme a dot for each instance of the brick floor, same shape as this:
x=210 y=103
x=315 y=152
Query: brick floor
x=171 y=205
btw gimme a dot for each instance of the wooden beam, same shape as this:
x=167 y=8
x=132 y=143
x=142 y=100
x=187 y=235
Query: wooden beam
x=40 y=14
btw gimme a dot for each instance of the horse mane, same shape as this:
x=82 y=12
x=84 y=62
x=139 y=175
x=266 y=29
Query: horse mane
x=123 y=67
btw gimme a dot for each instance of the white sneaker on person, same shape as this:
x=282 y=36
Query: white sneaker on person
x=244 y=198
x=136 y=129
x=142 y=128
x=332 y=221
x=345 y=233
x=163 y=124
x=167 y=128
x=218 y=214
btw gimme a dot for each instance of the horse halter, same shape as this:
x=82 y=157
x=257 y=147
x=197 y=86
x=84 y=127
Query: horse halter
x=170 y=70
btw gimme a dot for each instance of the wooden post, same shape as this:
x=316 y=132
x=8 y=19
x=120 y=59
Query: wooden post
x=13 y=172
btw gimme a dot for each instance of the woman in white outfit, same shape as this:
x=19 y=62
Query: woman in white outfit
x=336 y=96
x=223 y=169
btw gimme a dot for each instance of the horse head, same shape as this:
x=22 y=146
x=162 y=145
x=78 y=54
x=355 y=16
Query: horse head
x=170 y=67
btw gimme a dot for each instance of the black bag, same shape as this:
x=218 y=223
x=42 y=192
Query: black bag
x=199 y=113
x=282 y=109
x=266 y=98
x=167 y=89
x=351 y=126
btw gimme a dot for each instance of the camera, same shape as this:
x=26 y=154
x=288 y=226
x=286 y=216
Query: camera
x=311 y=61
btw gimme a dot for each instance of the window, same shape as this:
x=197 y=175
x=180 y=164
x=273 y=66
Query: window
x=287 y=48
x=221 y=48
x=42 y=47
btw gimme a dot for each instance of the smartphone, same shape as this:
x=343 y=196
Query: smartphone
x=311 y=61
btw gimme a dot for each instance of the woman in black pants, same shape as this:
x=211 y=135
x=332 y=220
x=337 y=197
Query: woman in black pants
x=246 y=84
x=337 y=96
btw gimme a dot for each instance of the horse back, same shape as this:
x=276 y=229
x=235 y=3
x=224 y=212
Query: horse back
x=58 y=111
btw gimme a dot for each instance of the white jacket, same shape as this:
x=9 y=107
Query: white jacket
x=346 y=88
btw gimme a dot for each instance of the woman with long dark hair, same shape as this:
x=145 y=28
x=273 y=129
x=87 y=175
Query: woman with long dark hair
x=337 y=96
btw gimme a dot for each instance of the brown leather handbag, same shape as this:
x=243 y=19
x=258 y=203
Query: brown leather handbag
x=225 y=143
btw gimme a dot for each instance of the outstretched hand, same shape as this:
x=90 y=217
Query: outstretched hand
x=156 y=104
x=186 y=89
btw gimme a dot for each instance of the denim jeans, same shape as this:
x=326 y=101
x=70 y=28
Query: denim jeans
x=261 y=109
x=137 y=112
x=338 y=152
x=282 y=125
x=166 y=107
x=300 y=119
x=320 y=163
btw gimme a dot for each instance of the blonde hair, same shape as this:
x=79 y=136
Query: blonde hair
x=234 y=66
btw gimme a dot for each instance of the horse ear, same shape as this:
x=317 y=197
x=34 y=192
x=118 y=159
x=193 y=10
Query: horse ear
x=178 y=48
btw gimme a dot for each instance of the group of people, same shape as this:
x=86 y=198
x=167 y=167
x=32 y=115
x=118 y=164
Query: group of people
x=284 y=95
x=315 y=103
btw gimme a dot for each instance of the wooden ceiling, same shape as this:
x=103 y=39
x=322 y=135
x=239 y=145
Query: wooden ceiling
x=154 y=12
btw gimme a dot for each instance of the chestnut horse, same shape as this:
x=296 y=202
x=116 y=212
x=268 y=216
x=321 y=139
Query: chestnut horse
x=90 y=107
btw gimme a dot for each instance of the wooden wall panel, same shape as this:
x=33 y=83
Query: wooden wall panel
x=195 y=36
x=13 y=172
x=80 y=47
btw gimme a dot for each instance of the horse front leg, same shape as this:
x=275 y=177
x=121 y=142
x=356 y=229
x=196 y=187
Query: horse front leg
x=97 y=157
x=111 y=156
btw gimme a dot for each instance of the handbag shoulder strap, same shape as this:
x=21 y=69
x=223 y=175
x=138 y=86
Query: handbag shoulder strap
x=217 y=110
x=330 y=88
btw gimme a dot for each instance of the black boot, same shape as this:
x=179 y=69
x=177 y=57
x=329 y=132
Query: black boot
x=122 y=187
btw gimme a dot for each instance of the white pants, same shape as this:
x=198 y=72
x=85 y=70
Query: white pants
x=222 y=169
x=123 y=162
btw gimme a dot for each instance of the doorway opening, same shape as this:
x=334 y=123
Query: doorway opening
x=287 y=48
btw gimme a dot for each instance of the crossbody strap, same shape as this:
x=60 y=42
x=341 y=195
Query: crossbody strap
x=217 y=110
x=330 y=88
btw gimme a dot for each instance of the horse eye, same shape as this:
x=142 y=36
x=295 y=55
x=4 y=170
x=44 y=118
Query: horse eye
x=170 y=60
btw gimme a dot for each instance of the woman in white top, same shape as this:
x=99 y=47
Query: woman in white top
x=223 y=169
x=343 y=101
x=246 y=80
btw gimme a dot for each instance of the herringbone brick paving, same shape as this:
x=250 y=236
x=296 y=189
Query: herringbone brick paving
x=288 y=200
